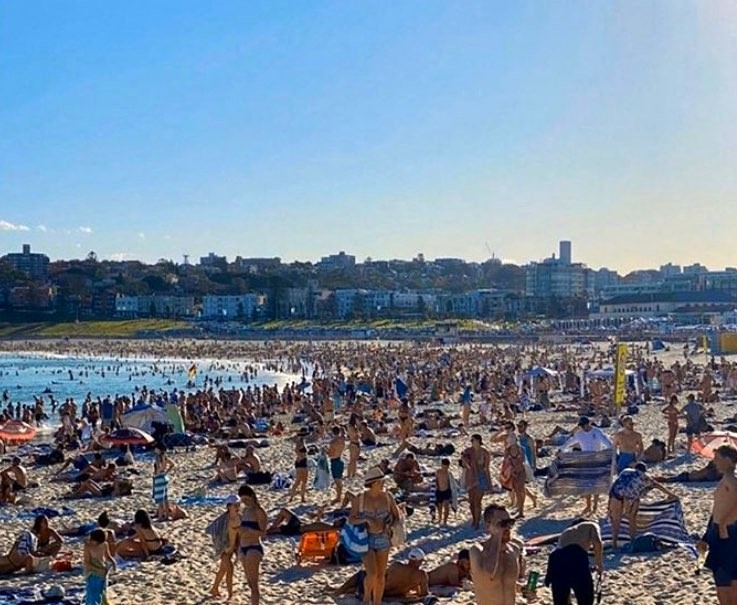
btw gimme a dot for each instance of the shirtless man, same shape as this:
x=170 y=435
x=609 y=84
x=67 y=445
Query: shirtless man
x=627 y=444
x=403 y=580
x=497 y=565
x=721 y=534
x=251 y=463
x=569 y=567
x=476 y=461
x=336 y=447
x=452 y=573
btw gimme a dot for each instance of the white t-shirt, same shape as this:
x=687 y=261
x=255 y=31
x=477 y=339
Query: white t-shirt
x=589 y=441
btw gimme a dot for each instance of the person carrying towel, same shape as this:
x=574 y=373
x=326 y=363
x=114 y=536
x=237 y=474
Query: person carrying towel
x=568 y=564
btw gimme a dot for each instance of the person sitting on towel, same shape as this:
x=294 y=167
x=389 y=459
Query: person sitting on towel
x=452 y=573
x=625 y=494
x=407 y=473
x=568 y=564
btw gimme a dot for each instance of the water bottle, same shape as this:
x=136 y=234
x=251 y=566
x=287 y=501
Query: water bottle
x=532 y=579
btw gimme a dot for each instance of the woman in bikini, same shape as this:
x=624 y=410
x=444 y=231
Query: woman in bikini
x=145 y=542
x=226 y=568
x=377 y=510
x=49 y=540
x=252 y=529
x=301 y=473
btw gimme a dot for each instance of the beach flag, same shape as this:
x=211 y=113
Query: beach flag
x=192 y=372
x=620 y=377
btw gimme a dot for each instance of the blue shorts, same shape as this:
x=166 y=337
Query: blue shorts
x=337 y=466
x=624 y=460
x=380 y=542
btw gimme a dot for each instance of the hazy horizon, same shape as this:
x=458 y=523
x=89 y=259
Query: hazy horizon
x=148 y=130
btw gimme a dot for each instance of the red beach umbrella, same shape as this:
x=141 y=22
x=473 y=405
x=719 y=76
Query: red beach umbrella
x=127 y=436
x=15 y=431
x=707 y=444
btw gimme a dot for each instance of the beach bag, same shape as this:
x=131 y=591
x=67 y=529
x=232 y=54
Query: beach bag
x=529 y=474
x=399 y=531
x=281 y=481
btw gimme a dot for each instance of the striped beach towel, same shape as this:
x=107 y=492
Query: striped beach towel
x=579 y=474
x=355 y=540
x=161 y=488
x=664 y=520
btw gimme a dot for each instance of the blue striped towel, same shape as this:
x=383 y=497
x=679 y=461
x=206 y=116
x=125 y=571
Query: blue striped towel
x=579 y=474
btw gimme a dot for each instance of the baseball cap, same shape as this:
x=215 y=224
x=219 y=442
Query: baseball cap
x=583 y=421
x=416 y=554
x=232 y=499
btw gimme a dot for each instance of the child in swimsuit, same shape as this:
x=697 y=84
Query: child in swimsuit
x=97 y=563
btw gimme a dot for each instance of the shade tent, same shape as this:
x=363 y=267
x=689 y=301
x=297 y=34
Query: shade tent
x=657 y=345
x=539 y=372
x=606 y=373
x=143 y=416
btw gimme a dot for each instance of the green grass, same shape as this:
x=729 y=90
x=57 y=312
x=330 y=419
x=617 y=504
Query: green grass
x=90 y=329
x=375 y=324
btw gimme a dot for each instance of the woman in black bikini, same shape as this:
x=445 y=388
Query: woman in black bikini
x=301 y=473
x=145 y=542
x=253 y=528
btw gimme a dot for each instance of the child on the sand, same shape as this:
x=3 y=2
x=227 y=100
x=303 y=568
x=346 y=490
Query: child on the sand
x=96 y=559
x=443 y=493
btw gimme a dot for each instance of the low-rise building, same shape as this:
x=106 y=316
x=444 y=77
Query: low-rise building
x=693 y=304
x=241 y=306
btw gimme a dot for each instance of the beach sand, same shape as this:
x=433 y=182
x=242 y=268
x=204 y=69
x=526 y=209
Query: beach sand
x=655 y=579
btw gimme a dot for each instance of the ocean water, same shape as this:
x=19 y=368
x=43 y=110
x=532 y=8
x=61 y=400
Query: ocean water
x=24 y=376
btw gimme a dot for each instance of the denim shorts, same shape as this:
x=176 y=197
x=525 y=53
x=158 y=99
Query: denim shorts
x=379 y=542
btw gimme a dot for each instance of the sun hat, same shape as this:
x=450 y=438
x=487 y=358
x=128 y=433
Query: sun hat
x=416 y=554
x=232 y=499
x=373 y=474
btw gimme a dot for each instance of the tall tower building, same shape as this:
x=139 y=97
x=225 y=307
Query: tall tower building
x=565 y=252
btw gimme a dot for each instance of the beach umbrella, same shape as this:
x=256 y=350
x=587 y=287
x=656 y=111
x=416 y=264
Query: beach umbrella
x=143 y=417
x=127 y=436
x=15 y=431
x=707 y=445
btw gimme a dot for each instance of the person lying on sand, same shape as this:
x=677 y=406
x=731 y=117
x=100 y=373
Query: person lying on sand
x=88 y=487
x=452 y=573
x=403 y=580
x=82 y=464
x=287 y=523
x=708 y=474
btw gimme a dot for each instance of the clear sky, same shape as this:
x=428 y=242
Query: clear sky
x=151 y=128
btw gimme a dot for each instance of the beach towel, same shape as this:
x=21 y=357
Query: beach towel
x=355 y=541
x=218 y=531
x=178 y=440
x=95 y=586
x=323 y=477
x=579 y=474
x=161 y=488
x=202 y=500
x=664 y=520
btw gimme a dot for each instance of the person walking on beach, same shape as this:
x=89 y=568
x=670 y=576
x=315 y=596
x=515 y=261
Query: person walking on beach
x=98 y=562
x=672 y=414
x=336 y=448
x=476 y=460
x=695 y=419
x=252 y=529
x=377 y=510
x=498 y=564
x=162 y=466
x=721 y=533
x=225 y=531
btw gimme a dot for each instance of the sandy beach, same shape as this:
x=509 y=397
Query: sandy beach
x=653 y=579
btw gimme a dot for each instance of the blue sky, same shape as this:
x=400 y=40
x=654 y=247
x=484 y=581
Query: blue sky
x=152 y=128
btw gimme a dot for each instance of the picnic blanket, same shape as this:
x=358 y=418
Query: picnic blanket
x=579 y=474
x=665 y=520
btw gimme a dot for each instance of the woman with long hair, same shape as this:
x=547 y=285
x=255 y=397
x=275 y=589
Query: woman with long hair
x=146 y=540
x=252 y=529
x=162 y=466
x=377 y=510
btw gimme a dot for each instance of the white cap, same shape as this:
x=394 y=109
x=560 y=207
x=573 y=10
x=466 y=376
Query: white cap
x=416 y=554
x=232 y=499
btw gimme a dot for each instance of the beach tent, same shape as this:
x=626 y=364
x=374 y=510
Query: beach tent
x=539 y=372
x=657 y=345
x=143 y=416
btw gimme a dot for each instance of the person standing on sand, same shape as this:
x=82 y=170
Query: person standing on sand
x=97 y=564
x=162 y=466
x=443 y=491
x=589 y=439
x=498 y=564
x=627 y=444
x=354 y=445
x=695 y=419
x=336 y=447
x=252 y=529
x=672 y=414
x=476 y=460
x=568 y=564
x=721 y=533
